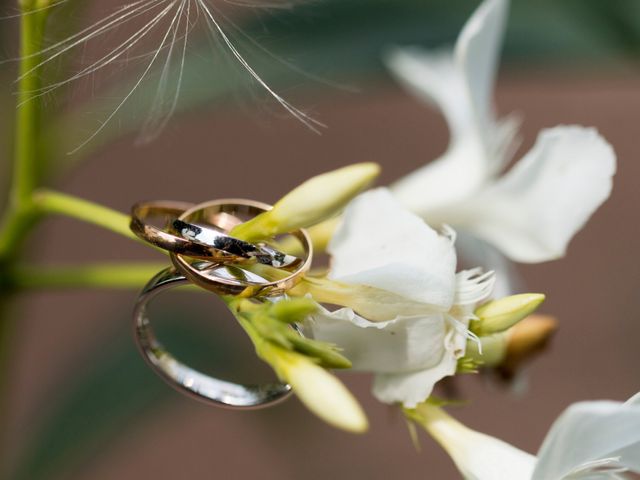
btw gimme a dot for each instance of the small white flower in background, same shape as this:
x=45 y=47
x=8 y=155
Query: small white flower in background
x=531 y=212
x=406 y=272
x=597 y=440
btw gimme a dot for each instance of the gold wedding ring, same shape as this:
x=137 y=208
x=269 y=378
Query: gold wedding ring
x=199 y=241
x=240 y=280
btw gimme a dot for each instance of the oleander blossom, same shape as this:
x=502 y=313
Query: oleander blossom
x=531 y=212
x=406 y=276
x=157 y=34
x=598 y=440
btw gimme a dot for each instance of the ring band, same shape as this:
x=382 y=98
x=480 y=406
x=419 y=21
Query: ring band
x=140 y=212
x=219 y=240
x=166 y=240
x=183 y=378
x=245 y=284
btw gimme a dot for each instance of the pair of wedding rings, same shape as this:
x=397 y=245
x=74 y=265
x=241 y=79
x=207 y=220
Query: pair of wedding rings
x=204 y=253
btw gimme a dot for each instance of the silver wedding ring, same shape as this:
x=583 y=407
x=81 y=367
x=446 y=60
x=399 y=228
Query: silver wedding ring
x=214 y=238
x=183 y=378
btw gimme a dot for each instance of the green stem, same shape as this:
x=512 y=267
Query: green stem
x=99 y=275
x=28 y=114
x=47 y=201
x=19 y=217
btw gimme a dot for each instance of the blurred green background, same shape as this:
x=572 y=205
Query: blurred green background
x=82 y=404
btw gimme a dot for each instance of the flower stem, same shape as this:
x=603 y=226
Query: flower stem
x=50 y=202
x=98 y=275
x=28 y=114
x=19 y=216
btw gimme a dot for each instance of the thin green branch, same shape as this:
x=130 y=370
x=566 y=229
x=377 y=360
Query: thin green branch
x=98 y=275
x=50 y=202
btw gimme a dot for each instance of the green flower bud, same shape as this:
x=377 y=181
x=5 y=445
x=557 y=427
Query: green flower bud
x=325 y=353
x=320 y=391
x=494 y=350
x=317 y=199
x=293 y=309
x=500 y=315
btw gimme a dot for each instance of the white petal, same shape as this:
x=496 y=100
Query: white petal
x=400 y=345
x=382 y=245
x=411 y=388
x=473 y=287
x=532 y=213
x=477 y=53
x=587 y=432
x=435 y=77
x=460 y=83
x=635 y=400
x=450 y=179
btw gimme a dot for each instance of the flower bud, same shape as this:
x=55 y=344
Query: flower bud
x=319 y=234
x=525 y=340
x=322 y=392
x=293 y=310
x=317 y=199
x=500 y=315
x=494 y=350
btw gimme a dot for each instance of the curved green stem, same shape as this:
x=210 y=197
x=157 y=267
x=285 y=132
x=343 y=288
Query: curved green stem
x=50 y=202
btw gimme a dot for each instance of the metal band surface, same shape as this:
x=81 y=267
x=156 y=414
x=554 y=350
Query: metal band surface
x=169 y=210
x=183 y=378
x=244 y=283
x=219 y=240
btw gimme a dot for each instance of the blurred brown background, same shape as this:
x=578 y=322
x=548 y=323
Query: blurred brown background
x=63 y=338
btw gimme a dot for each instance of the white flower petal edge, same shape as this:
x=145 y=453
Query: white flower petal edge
x=533 y=211
x=460 y=83
x=381 y=244
x=587 y=435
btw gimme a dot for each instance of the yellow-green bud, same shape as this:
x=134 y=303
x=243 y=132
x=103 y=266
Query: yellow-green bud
x=500 y=315
x=293 y=309
x=494 y=350
x=317 y=199
x=322 y=393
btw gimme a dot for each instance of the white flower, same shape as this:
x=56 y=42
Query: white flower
x=531 y=212
x=590 y=441
x=421 y=307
